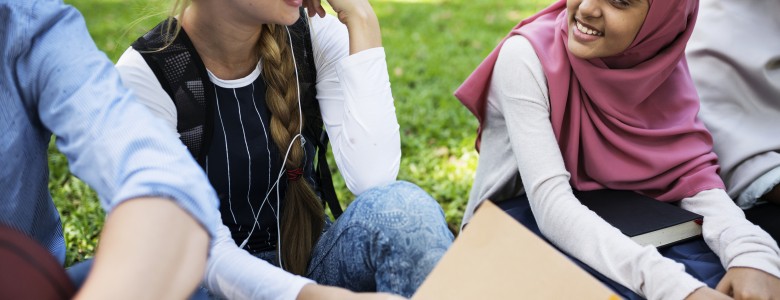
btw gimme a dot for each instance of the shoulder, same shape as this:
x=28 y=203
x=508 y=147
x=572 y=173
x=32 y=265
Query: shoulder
x=518 y=72
x=517 y=51
x=133 y=64
x=139 y=77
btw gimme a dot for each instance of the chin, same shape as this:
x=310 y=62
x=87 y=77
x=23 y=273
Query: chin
x=582 y=55
x=289 y=18
x=579 y=51
x=288 y=22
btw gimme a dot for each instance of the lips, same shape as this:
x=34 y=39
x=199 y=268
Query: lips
x=294 y=3
x=586 y=29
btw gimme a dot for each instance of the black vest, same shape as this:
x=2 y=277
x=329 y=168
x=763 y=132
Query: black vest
x=183 y=76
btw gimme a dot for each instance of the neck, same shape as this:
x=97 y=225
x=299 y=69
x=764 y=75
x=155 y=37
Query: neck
x=227 y=48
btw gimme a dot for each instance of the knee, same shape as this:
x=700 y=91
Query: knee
x=401 y=201
x=399 y=195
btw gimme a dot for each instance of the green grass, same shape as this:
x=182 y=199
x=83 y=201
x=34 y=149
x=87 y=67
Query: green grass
x=431 y=47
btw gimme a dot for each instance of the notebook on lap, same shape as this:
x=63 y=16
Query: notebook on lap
x=498 y=258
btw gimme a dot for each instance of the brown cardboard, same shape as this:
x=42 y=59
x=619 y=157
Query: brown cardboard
x=498 y=258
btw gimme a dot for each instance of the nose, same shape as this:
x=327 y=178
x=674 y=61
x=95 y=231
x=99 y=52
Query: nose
x=590 y=8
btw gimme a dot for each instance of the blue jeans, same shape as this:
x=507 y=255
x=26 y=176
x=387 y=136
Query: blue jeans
x=387 y=240
x=699 y=260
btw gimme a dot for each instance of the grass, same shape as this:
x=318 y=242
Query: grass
x=431 y=45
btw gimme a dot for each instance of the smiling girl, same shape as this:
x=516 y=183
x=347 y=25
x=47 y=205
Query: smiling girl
x=249 y=84
x=595 y=94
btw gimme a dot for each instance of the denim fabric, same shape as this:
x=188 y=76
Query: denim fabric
x=78 y=272
x=53 y=79
x=699 y=260
x=387 y=240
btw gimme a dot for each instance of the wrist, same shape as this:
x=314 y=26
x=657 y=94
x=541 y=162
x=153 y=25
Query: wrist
x=364 y=34
x=361 y=22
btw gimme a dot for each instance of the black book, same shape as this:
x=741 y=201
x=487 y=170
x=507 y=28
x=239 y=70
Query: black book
x=645 y=220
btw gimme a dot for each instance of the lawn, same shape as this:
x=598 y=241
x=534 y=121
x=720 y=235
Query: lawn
x=431 y=47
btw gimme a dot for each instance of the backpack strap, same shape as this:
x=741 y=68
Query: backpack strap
x=307 y=71
x=184 y=78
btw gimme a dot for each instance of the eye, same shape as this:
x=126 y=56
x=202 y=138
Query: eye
x=621 y=3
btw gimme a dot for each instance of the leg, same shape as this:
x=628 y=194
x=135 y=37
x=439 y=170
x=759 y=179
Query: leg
x=387 y=240
x=699 y=260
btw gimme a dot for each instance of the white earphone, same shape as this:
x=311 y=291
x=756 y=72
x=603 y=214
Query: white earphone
x=275 y=186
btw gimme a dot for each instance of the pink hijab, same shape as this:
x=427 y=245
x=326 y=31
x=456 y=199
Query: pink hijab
x=625 y=122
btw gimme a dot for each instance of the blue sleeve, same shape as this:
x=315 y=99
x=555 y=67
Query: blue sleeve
x=111 y=141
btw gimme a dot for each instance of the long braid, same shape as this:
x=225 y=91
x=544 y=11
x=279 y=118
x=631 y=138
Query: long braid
x=303 y=216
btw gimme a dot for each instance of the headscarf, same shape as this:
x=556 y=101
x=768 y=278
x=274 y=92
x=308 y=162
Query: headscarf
x=625 y=122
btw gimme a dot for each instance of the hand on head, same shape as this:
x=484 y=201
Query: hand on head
x=346 y=10
x=362 y=23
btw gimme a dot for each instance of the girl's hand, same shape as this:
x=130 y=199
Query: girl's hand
x=361 y=21
x=346 y=10
x=749 y=283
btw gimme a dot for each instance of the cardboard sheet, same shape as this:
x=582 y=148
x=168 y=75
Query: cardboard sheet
x=496 y=257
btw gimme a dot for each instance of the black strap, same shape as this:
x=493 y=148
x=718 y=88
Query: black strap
x=300 y=33
x=326 y=181
x=183 y=76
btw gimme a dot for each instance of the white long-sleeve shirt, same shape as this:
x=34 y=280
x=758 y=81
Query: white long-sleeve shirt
x=518 y=139
x=357 y=107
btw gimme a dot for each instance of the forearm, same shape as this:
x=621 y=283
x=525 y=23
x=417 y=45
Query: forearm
x=736 y=241
x=364 y=32
x=367 y=141
x=584 y=235
x=233 y=273
x=150 y=248
x=357 y=108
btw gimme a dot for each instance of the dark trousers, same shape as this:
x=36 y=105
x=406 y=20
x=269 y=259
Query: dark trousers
x=767 y=216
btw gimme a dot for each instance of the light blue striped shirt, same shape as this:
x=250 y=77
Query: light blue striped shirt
x=53 y=79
